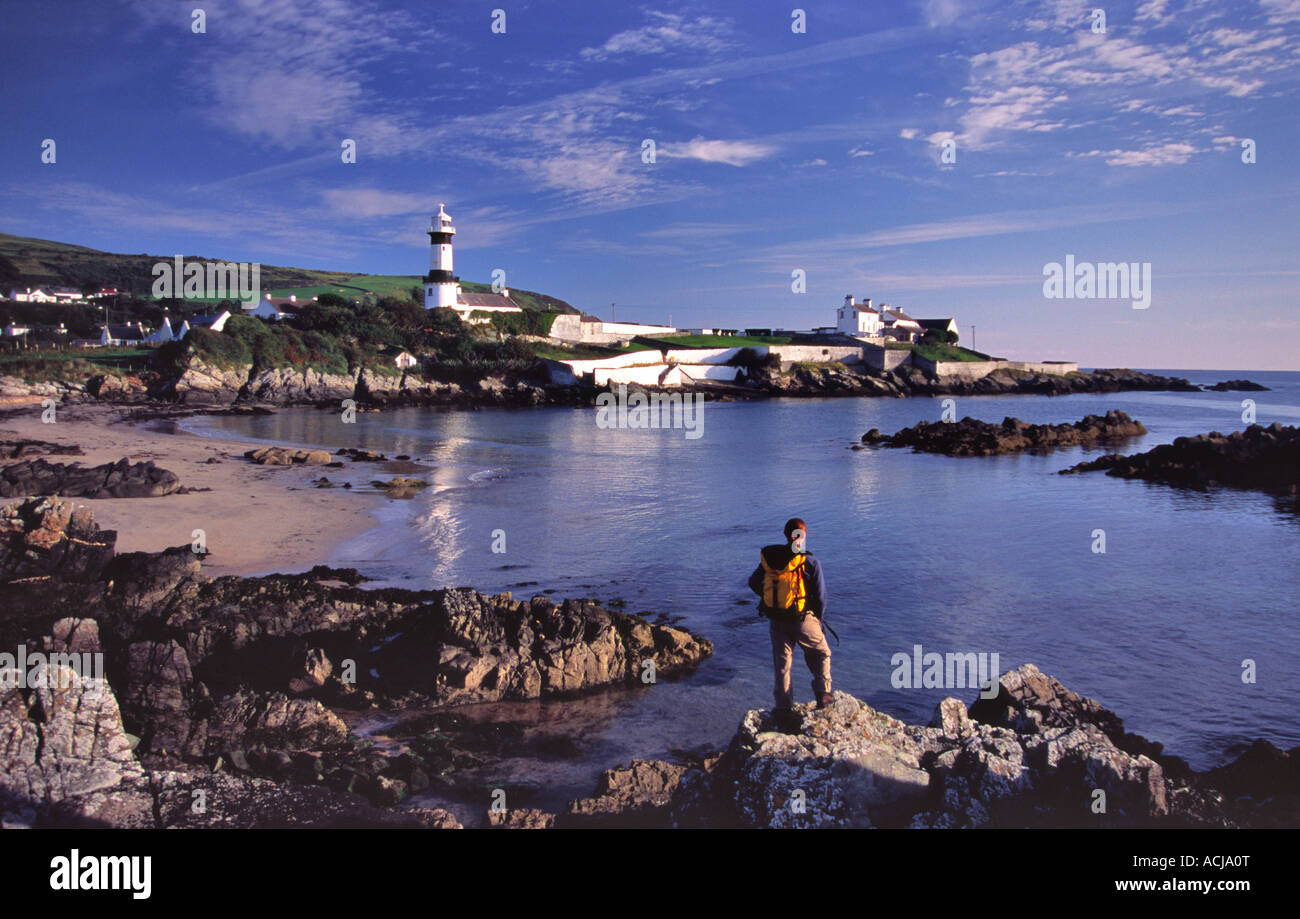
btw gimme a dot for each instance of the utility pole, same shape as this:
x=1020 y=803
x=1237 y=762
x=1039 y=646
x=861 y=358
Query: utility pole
x=972 y=336
x=613 y=313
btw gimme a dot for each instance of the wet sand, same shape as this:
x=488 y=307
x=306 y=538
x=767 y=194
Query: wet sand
x=257 y=519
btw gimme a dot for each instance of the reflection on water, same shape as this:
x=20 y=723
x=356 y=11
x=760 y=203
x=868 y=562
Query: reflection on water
x=970 y=554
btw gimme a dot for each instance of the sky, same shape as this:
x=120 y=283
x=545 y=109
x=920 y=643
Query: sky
x=932 y=154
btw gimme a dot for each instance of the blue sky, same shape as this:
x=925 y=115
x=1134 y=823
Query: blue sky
x=775 y=151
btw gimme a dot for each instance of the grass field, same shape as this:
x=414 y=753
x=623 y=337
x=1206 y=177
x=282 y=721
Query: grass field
x=29 y=262
x=583 y=353
x=948 y=353
x=721 y=341
x=72 y=364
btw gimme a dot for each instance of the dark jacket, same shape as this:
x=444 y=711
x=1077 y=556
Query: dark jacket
x=778 y=557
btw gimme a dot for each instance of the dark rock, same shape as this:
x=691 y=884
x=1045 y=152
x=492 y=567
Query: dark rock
x=521 y=818
x=21 y=449
x=1265 y=458
x=1237 y=385
x=639 y=795
x=122 y=479
x=971 y=437
x=361 y=456
x=44 y=536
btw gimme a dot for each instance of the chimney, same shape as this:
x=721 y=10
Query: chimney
x=848 y=300
x=867 y=301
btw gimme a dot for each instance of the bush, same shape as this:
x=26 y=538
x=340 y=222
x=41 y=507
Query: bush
x=529 y=322
x=939 y=337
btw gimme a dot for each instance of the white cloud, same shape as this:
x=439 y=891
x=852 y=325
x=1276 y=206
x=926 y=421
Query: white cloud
x=667 y=32
x=731 y=152
x=1153 y=11
x=1167 y=154
x=294 y=72
x=373 y=202
x=942 y=12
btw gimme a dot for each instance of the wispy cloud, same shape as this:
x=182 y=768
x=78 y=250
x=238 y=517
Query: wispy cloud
x=296 y=72
x=1159 y=155
x=666 y=33
x=731 y=152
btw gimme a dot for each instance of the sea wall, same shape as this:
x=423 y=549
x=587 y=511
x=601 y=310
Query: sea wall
x=1058 y=367
x=845 y=354
x=975 y=370
x=884 y=359
x=659 y=374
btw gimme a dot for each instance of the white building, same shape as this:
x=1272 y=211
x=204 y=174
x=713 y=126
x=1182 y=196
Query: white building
x=162 y=334
x=31 y=295
x=214 y=321
x=121 y=334
x=442 y=287
x=899 y=325
x=860 y=320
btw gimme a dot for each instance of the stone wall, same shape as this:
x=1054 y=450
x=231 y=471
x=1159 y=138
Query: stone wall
x=883 y=359
x=845 y=354
x=974 y=370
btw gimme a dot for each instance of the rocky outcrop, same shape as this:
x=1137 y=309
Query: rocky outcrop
x=45 y=536
x=971 y=437
x=23 y=449
x=855 y=380
x=288 y=456
x=18 y=391
x=122 y=479
x=285 y=385
x=112 y=388
x=65 y=760
x=1237 y=386
x=197 y=382
x=638 y=795
x=1044 y=757
x=1265 y=458
x=239 y=671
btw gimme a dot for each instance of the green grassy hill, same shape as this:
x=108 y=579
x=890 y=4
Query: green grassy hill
x=28 y=262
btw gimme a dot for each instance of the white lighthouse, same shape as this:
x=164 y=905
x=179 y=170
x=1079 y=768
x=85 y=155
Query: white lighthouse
x=440 y=287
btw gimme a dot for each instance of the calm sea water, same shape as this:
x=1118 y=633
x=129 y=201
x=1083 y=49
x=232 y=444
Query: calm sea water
x=955 y=554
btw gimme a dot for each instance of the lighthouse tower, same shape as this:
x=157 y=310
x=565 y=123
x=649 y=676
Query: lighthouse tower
x=440 y=287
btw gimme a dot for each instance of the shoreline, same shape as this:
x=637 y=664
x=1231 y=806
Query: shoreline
x=257 y=519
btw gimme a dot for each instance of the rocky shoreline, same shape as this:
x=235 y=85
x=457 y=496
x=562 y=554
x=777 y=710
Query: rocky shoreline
x=972 y=437
x=229 y=691
x=199 y=385
x=240 y=676
x=1265 y=458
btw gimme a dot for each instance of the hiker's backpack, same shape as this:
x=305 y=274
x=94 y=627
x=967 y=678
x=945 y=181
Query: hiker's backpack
x=784 y=591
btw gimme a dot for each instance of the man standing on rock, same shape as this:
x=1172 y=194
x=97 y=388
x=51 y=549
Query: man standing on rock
x=792 y=594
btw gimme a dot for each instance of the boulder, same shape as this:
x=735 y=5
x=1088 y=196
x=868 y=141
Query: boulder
x=122 y=479
x=42 y=536
x=1264 y=458
x=971 y=437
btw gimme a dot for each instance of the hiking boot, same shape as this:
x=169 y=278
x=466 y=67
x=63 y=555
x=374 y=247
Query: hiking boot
x=826 y=700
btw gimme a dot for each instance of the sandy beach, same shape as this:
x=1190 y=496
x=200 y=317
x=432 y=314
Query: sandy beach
x=257 y=519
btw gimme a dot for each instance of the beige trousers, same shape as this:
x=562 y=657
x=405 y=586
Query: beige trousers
x=807 y=634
